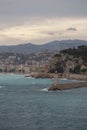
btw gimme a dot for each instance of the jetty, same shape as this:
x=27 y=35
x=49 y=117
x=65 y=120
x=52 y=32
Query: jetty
x=82 y=82
x=68 y=86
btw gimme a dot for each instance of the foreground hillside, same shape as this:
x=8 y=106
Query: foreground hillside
x=70 y=60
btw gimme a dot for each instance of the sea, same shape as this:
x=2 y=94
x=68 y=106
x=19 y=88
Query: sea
x=26 y=104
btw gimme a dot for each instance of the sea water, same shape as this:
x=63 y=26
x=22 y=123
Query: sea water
x=25 y=104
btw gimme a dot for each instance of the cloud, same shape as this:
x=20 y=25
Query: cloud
x=72 y=29
x=46 y=8
x=51 y=33
x=43 y=30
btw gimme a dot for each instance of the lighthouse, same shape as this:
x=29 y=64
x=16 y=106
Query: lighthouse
x=55 y=78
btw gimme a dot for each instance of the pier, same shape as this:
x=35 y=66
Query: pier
x=81 y=83
x=68 y=86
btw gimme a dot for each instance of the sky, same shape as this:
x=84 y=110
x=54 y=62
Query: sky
x=41 y=21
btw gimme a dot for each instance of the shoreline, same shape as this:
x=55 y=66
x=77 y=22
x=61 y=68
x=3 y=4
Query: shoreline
x=82 y=80
x=12 y=74
x=78 y=77
x=51 y=75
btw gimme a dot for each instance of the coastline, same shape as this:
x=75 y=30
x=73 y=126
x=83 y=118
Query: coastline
x=51 y=75
x=82 y=80
x=78 y=77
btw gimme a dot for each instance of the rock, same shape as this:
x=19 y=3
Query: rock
x=42 y=75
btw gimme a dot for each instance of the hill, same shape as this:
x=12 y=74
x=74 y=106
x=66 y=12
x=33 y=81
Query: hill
x=52 y=46
x=70 y=60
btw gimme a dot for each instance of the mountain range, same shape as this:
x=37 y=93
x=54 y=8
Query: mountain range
x=52 y=46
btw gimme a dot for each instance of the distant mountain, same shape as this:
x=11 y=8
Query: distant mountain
x=54 y=45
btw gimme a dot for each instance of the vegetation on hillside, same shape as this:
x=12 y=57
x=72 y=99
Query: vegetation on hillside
x=75 y=59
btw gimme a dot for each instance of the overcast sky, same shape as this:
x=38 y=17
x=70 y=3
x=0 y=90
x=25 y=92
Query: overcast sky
x=40 y=21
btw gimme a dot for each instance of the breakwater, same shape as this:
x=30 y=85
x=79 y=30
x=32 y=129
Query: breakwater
x=68 y=86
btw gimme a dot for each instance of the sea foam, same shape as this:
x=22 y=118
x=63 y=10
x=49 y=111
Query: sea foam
x=1 y=86
x=45 y=89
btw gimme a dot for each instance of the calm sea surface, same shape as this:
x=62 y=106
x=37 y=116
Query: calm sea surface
x=25 y=104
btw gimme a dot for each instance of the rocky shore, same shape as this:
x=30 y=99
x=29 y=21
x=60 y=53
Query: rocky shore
x=51 y=75
x=42 y=75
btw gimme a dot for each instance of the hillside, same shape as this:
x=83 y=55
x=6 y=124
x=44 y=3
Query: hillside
x=54 y=45
x=70 y=60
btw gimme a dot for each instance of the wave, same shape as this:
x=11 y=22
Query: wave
x=45 y=89
x=30 y=78
x=33 y=83
x=1 y=86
